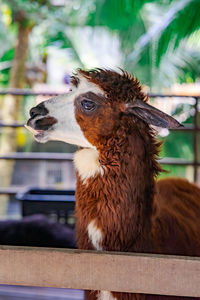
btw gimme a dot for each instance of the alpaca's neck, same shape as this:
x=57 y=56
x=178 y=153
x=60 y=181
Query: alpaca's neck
x=115 y=189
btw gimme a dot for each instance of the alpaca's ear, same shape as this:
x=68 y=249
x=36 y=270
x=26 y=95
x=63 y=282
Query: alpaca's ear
x=151 y=115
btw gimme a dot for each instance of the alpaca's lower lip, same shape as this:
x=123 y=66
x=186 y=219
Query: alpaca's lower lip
x=33 y=130
x=39 y=134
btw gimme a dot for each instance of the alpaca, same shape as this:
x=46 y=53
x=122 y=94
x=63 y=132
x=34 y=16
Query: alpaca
x=119 y=205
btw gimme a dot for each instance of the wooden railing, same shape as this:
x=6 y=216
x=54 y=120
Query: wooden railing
x=124 y=272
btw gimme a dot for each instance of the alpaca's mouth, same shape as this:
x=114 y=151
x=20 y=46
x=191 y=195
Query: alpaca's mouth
x=36 y=133
x=45 y=123
x=40 y=126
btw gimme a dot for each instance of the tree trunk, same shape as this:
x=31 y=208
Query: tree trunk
x=11 y=109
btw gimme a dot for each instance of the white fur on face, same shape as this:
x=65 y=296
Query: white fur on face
x=87 y=164
x=105 y=295
x=95 y=235
x=62 y=109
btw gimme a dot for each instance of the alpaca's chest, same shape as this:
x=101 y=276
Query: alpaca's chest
x=92 y=231
x=104 y=208
x=104 y=228
x=102 y=224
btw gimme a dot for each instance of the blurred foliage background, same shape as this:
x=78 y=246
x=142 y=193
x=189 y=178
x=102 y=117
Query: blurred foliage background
x=156 y=40
x=42 y=41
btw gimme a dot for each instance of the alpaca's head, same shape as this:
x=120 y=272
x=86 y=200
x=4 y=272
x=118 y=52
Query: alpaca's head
x=93 y=109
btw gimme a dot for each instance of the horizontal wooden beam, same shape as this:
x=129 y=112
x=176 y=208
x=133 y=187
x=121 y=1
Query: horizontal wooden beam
x=125 y=272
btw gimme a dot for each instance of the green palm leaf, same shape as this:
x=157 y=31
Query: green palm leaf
x=180 y=20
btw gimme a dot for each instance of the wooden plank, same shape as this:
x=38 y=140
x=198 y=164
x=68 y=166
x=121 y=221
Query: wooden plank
x=125 y=272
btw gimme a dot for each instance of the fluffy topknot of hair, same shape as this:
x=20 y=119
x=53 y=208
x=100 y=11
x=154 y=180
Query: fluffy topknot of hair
x=121 y=87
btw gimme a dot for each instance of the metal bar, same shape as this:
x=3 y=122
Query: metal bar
x=185 y=128
x=12 y=190
x=69 y=157
x=13 y=125
x=177 y=162
x=152 y=95
x=29 y=92
x=16 y=125
x=38 y=156
x=121 y=272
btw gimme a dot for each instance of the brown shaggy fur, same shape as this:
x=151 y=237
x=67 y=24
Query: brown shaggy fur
x=134 y=213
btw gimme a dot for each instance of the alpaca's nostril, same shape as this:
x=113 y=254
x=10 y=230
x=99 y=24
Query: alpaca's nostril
x=34 y=112
x=39 y=110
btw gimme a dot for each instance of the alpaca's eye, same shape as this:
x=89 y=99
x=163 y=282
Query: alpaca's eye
x=88 y=105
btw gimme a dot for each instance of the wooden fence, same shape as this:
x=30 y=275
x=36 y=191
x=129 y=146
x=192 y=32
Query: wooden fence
x=125 y=272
